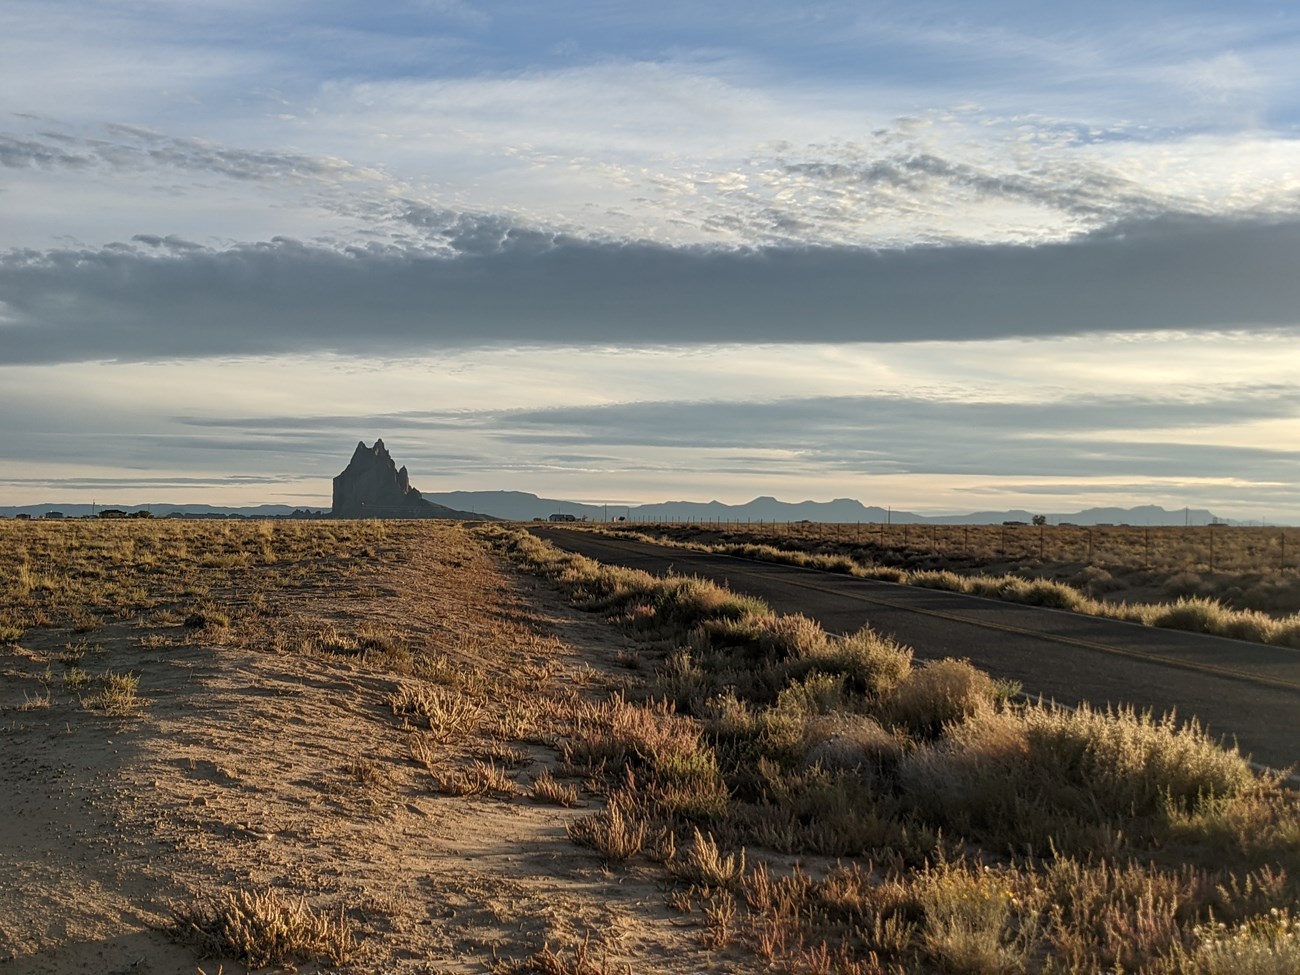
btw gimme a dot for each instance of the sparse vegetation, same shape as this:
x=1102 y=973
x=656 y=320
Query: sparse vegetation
x=811 y=803
x=1262 y=606
x=115 y=694
x=981 y=835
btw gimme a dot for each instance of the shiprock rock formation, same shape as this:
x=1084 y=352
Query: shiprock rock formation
x=371 y=486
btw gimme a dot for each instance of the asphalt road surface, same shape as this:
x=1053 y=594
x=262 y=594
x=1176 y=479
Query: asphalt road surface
x=1240 y=691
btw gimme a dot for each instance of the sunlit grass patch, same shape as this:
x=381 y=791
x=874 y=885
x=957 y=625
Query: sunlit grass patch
x=262 y=928
x=115 y=694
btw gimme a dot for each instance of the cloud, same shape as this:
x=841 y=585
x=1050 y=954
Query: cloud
x=1094 y=437
x=136 y=149
x=143 y=302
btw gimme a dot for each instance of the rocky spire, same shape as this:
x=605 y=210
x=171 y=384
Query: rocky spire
x=371 y=486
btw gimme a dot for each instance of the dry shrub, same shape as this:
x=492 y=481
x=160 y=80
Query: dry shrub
x=1081 y=780
x=508 y=755
x=1106 y=915
x=581 y=961
x=873 y=665
x=1200 y=615
x=687 y=601
x=703 y=864
x=719 y=919
x=825 y=812
x=969 y=921
x=767 y=637
x=843 y=742
x=1287 y=633
x=938 y=579
x=619 y=732
x=971 y=782
x=939 y=693
x=1268 y=945
x=446 y=713
x=1134 y=763
x=478 y=779
x=545 y=788
x=682 y=681
x=617 y=832
x=815 y=694
x=261 y=928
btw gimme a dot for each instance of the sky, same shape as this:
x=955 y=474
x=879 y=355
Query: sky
x=941 y=255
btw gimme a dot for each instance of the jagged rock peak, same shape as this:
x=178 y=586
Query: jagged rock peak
x=372 y=486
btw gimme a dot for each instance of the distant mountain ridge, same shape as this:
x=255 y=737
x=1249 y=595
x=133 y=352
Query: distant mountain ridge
x=522 y=506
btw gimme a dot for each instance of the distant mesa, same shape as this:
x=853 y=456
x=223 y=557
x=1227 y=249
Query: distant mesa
x=371 y=486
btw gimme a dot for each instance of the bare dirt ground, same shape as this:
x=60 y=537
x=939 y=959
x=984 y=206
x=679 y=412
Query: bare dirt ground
x=264 y=751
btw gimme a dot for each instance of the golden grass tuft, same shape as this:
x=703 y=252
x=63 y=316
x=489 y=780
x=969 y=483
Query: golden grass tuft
x=546 y=788
x=705 y=865
x=262 y=928
x=617 y=832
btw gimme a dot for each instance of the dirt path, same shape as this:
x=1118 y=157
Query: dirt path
x=248 y=763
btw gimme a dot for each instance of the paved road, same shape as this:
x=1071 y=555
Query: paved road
x=1238 y=690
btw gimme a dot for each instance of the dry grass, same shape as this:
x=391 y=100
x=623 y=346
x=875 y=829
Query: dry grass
x=818 y=804
x=263 y=927
x=703 y=864
x=477 y=779
x=617 y=832
x=327 y=624
x=446 y=714
x=1244 y=599
x=545 y=788
x=115 y=694
x=581 y=959
x=1086 y=841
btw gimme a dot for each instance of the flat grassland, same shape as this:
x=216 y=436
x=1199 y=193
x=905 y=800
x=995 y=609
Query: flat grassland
x=422 y=747
x=1231 y=581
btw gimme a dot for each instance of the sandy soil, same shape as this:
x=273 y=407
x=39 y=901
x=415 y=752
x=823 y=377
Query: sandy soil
x=251 y=766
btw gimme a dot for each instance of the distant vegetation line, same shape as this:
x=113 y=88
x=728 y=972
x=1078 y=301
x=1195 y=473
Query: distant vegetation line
x=1193 y=614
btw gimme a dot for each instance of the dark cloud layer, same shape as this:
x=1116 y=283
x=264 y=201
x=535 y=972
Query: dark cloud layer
x=161 y=298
